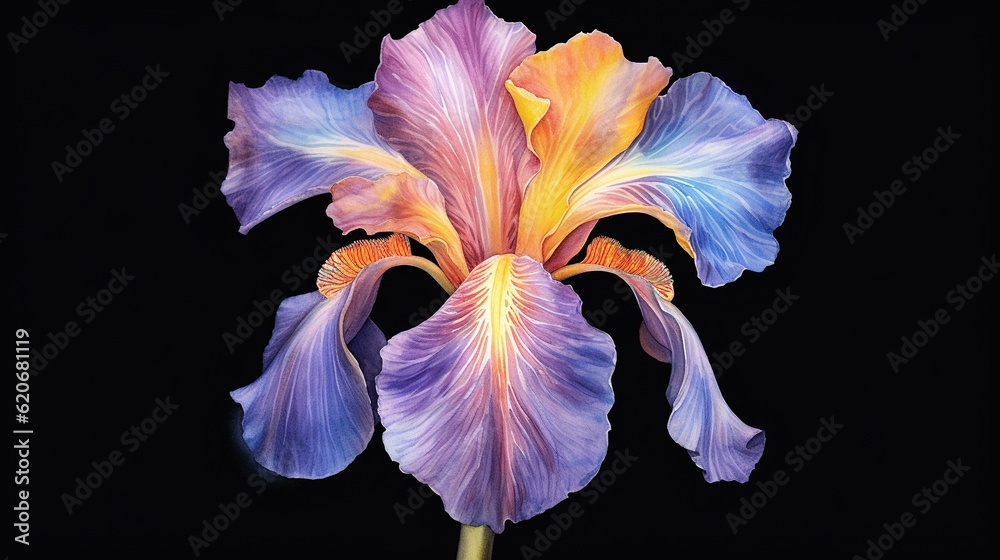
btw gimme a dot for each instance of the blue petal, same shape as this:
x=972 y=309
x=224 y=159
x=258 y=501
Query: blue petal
x=309 y=415
x=710 y=167
x=366 y=347
x=294 y=139
x=701 y=421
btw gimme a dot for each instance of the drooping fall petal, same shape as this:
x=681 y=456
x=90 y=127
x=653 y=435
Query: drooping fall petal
x=294 y=139
x=700 y=421
x=309 y=414
x=582 y=103
x=402 y=204
x=708 y=166
x=441 y=102
x=499 y=401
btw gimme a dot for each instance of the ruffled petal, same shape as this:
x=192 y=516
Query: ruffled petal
x=700 y=421
x=582 y=103
x=499 y=401
x=708 y=166
x=403 y=204
x=310 y=414
x=294 y=139
x=441 y=102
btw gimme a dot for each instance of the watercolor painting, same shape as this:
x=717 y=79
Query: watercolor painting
x=499 y=160
x=479 y=278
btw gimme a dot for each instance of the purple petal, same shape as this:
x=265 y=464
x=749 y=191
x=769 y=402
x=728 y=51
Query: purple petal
x=294 y=139
x=499 y=401
x=442 y=103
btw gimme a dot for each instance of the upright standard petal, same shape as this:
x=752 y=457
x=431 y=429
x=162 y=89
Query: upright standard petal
x=294 y=139
x=499 y=401
x=700 y=421
x=441 y=102
x=582 y=103
x=309 y=414
x=708 y=166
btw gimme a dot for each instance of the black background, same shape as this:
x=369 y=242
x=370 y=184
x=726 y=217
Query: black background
x=194 y=278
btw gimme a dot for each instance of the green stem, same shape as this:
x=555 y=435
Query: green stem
x=475 y=543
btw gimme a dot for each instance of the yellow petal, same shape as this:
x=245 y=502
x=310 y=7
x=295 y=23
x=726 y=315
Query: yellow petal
x=582 y=103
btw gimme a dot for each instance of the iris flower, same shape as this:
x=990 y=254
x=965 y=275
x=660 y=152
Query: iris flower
x=500 y=160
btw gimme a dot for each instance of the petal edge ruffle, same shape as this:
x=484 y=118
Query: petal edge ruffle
x=294 y=138
x=499 y=401
x=708 y=166
x=440 y=101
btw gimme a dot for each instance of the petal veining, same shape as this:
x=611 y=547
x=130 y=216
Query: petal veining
x=293 y=139
x=499 y=401
x=403 y=204
x=582 y=103
x=708 y=166
x=441 y=102
x=310 y=413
